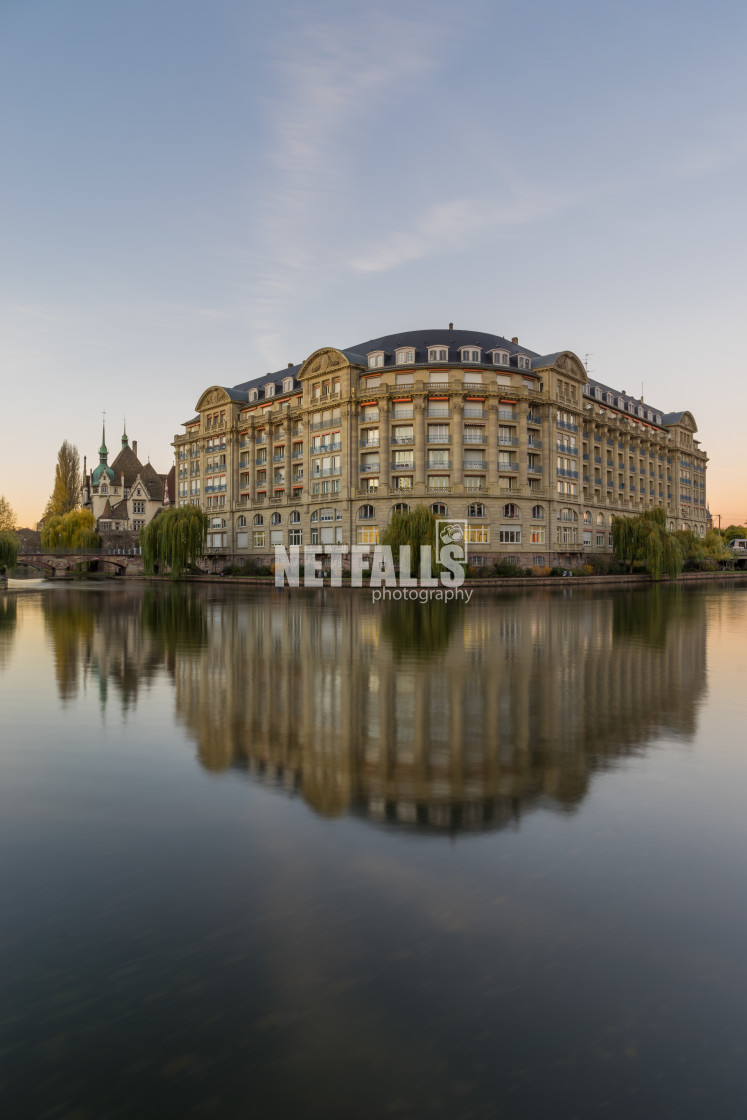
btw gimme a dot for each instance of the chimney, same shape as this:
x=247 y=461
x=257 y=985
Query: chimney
x=290 y=365
x=515 y=341
x=134 y=447
x=85 y=470
x=451 y=326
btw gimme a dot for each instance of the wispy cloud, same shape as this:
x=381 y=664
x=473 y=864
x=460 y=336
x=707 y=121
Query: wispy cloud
x=335 y=73
x=446 y=226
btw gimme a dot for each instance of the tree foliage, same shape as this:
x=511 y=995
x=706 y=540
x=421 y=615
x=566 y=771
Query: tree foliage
x=7 y=515
x=734 y=533
x=415 y=528
x=174 y=539
x=645 y=539
x=65 y=496
x=76 y=529
x=8 y=550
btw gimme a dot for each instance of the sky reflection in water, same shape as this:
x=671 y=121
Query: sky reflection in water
x=301 y=855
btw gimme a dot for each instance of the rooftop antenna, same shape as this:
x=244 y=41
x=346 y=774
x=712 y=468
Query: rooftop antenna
x=586 y=361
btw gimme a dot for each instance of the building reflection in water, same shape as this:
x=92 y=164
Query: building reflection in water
x=430 y=715
x=438 y=717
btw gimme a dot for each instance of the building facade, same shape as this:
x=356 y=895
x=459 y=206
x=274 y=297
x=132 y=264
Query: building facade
x=125 y=496
x=535 y=455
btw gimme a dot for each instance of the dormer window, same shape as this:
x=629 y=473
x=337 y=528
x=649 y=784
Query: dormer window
x=500 y=357
x=620 y=402
x=404 y=357
x=438 y=354
x=270 y=390
x=287 y=384
x=598 y=394
x=375 y=359
x=610 y=399
x=640 y=411
x=253 y=394
x=469 y=354
x=523 y=361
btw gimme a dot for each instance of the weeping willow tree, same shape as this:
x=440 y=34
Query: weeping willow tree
x=645 y=538
x=76 y=529
x=174 y=539
x=8 y=550
x=414 y=528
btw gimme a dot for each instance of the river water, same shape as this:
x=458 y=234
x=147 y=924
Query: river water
x=269 y=854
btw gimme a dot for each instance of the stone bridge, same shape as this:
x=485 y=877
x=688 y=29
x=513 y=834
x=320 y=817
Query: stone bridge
x=111 y=561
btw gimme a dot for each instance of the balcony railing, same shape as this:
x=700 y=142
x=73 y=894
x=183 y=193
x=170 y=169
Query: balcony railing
x=444 y=465
x=402 y=466
x=563 y=473
x=532 y=418
x=482 y=465
x=278 y=458
x=402 y=414
x=568 y=427
x=507 y=441
x=369 y=443
x=326 y=472
x=534 y=468
x=402 y=441
x=367 y=417
x=438 y=439
x=368 y=468
x=325 y=448
x=507 y=414
x=564 y=449
x=472 y=412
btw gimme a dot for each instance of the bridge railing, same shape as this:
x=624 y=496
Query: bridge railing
x=37 y=550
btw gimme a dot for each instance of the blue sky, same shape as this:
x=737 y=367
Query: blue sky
x=200 y=191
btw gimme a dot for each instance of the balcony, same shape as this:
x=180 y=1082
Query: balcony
x=402 y=413
x=402 y=441
x=369 y=443
x=445 y=465
x=564 y=449
x=435 y=413
x=438 y=439
x=508 y=441
x=563 y=473
x=278 y=458
x=534 y=468
x=510 y=465
x=402 y=466
x=325 y=472
x=533 y=418
x=477 y=485
x=472 y=412
x=325 y=448
x=568 y=427
x=436 y=487
x=368 y=417
x=506 y=414
x=537 y=443
x=260 y=460
x=215 y=489
x=368 y=468
x=297 y=455
x=261 y=439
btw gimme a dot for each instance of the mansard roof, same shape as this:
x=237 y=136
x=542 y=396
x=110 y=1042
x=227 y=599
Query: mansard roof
x=127 y=464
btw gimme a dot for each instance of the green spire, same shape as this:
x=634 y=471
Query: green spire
x=103 y=453
x=125 y=441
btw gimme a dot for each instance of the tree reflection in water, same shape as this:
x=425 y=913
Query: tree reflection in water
x=423 y=629
x=8 y=625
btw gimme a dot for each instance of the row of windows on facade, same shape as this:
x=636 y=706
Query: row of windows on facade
x=404 y=355
x=510 y=511
x=631 y=407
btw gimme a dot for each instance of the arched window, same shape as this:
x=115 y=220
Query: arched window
x=566 y=514
x=510 y=510
x=276 y=518
x=469 y=354
x=609 y=520
x=439 y=509
x=270 y=390
x=477 y=509
x=315 y=515
x=287 y=384
x=295 y=517
x=401 y=507
x=253 y=394
x=538 y=513
x=366 y=513
x=241 y=522
x=671 y=526
x=259 y=519
x=218 y=523
x=587 y=517
x=326 y=514
x=600 y=519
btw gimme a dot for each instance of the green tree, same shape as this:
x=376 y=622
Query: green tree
x=8 y=550
x=646 y=539
x=76 y=529
x=67 y=482
x=174 y=539
x=7 y=515
x=415 y=528
x=734 y=533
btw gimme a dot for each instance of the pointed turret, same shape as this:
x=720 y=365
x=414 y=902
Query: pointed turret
x=125 y=441
x=103 y=469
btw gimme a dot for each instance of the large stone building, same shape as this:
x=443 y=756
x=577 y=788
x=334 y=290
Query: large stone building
x=526 y=447
x=125 y=496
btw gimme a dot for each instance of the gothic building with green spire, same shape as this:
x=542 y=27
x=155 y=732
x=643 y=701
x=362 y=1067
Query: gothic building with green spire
x=125 y=496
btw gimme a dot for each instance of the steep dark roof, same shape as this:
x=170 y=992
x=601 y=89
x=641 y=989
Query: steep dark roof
x=119 y=511
x=127 y=464
x=152 y=480
x=107 y=510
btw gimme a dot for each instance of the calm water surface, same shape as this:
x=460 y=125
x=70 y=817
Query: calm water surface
x=292 y=854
